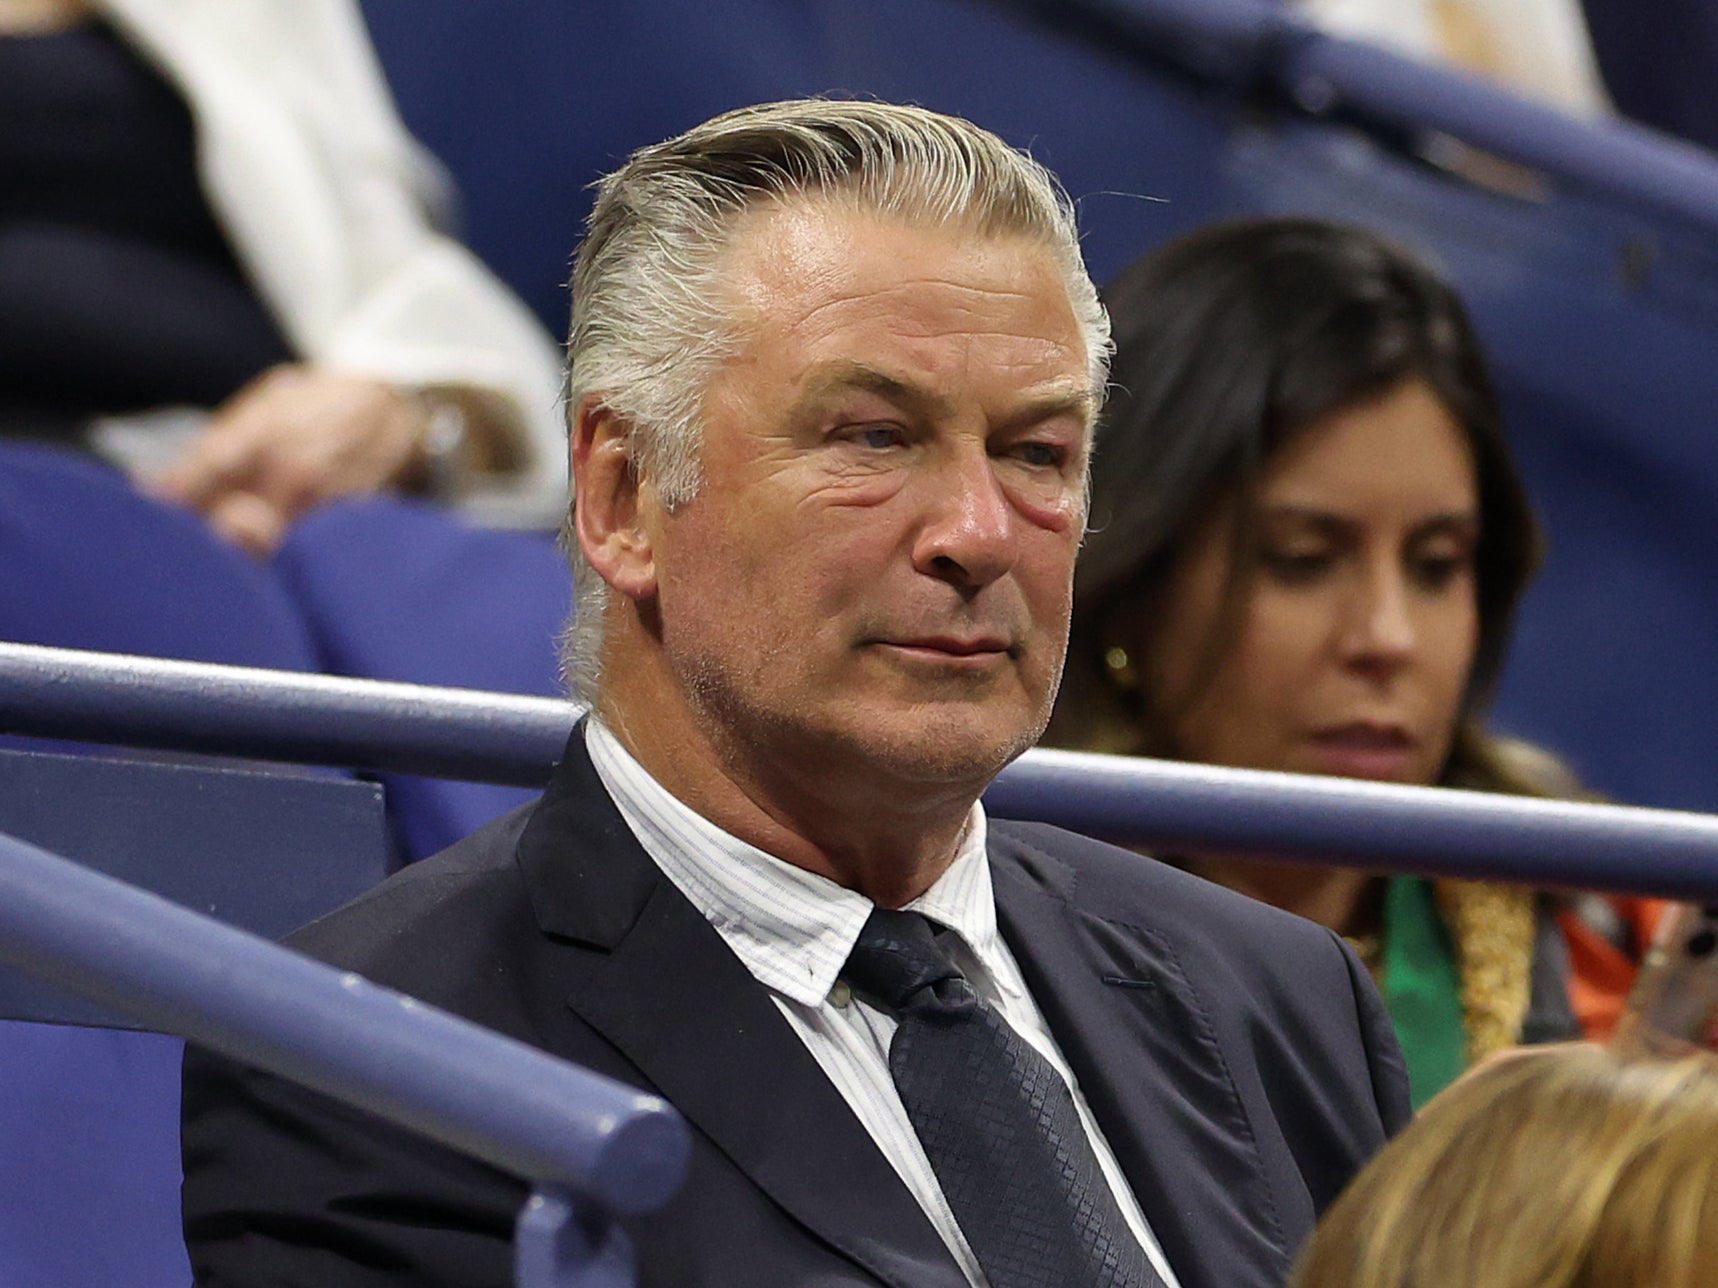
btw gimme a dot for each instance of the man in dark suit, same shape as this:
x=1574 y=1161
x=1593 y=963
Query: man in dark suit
x=834 y=371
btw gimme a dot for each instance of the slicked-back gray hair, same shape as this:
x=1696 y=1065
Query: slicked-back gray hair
x=644 y=339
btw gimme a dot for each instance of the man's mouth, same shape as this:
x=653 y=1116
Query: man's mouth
x=960 y=651
x=955 y=645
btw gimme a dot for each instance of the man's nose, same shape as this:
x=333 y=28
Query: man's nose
x=967 y=537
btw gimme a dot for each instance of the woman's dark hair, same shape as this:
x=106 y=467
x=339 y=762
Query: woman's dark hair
x=1230 y=342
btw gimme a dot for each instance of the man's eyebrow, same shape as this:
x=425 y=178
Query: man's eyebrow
x=846 y=377
x=857 y=377
x=1039 y=407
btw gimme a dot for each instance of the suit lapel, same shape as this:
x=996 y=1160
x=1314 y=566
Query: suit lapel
x=1152 y=1070
x=672 y=997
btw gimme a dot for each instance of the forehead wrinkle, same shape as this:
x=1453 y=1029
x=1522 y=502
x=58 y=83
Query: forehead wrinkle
x=803 y=255
x=958 y=311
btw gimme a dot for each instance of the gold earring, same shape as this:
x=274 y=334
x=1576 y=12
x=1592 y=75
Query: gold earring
x=1120 y=668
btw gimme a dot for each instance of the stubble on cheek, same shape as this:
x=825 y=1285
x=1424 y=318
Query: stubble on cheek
x=735 y=690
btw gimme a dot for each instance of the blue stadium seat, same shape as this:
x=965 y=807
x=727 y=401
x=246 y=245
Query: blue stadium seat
x=89 y=1158
x=86 y=561
x=400 y=590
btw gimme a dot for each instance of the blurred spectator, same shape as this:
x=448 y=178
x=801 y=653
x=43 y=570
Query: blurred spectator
x=1563 y=1167
x=1307 y=542
x=1538 y=48
x=210 y=206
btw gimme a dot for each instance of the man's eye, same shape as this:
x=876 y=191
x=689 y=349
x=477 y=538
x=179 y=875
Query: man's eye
x=1041 y=455
x=877 y=437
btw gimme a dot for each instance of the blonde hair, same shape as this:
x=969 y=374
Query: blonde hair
x=644 y=337
x=1558 y=1167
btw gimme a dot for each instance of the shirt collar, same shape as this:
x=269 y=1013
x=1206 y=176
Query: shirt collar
x=791 y=928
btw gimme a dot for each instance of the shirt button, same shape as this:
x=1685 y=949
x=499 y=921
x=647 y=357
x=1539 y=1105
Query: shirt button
x=841 y=994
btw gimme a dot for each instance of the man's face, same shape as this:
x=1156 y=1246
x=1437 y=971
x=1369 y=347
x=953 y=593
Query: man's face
x=875 y=573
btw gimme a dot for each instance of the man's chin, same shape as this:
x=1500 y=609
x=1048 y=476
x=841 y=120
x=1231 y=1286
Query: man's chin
x=881 y=736
x=932 y=750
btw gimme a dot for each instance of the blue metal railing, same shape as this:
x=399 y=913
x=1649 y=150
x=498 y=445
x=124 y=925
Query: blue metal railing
x=579 y=1138
x=1180 y=808
x=505 y=738
x=280 y=715
x=1254 y=44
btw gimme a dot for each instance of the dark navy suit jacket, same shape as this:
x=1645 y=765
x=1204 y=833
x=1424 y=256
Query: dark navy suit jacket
x=1237 y=1059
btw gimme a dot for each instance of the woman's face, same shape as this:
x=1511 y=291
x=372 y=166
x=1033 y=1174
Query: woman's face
x=1349 y=649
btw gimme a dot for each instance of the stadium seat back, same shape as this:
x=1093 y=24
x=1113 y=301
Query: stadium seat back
x=89 y=1110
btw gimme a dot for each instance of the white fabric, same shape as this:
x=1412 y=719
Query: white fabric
x=1540 y=48
x=325 y=199
x=793 y=930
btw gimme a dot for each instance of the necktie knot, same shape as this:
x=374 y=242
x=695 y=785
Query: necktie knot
x=898 y=963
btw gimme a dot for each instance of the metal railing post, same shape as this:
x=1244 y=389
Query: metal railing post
x=557 y=1245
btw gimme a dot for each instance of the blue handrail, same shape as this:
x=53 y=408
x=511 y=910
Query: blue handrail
x=1171 y=807
x=1605 y=156
x=590 y=1146
x=491 y=1096
x=1251 y=44
x=280 y=715
x=1181 y=808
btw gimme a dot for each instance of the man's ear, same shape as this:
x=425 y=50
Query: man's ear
x=609 y=502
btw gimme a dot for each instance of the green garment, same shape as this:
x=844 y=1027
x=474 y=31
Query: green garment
x=1422 y=988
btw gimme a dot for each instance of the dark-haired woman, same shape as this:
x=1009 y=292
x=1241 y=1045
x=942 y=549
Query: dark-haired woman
x=1308 y=539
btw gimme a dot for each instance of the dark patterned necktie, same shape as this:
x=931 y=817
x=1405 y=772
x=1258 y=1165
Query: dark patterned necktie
x=996 y=1120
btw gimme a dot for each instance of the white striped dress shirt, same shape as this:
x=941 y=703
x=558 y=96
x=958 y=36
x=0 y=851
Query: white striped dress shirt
x=794 y=929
